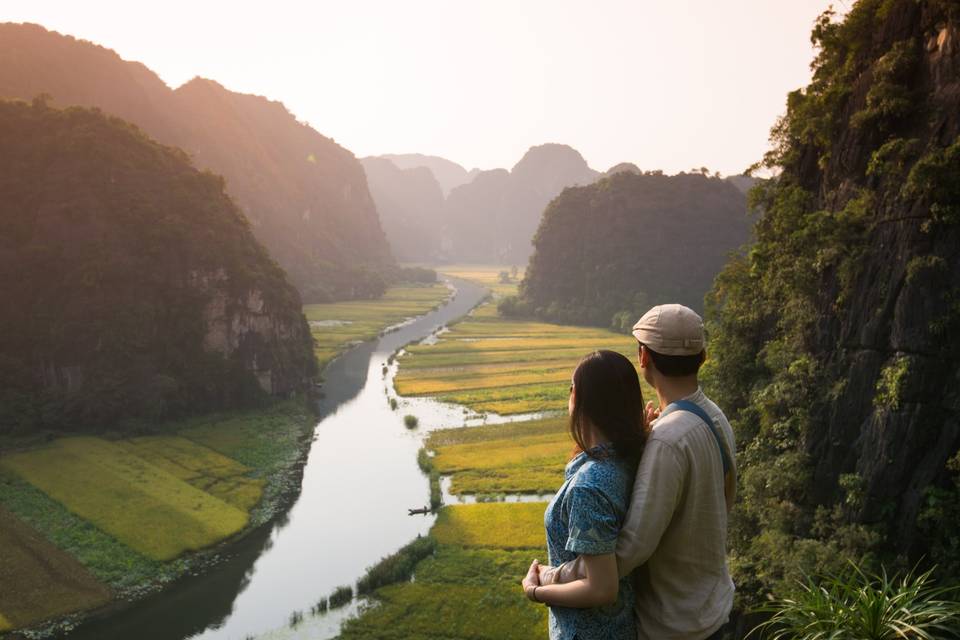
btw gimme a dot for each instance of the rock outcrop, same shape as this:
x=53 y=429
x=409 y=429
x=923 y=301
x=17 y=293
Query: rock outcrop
x=133 y=288
x=837 y=340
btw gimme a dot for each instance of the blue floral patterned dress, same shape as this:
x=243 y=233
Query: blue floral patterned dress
x=584 y=518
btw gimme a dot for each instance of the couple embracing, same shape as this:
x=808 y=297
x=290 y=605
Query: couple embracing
x=637 y=533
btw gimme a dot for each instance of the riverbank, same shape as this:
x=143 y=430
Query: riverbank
x=504 y=472
x=133 y=516
x=119 y=520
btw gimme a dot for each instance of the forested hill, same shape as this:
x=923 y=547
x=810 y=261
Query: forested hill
x=306 y=197
x=133 y=288
x=605 y=253
x=835 y=343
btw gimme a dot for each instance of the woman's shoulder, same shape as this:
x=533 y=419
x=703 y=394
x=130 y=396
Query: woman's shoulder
x=606 y=471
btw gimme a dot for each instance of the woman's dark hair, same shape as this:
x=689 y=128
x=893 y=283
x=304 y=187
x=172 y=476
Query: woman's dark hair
x=607 y=395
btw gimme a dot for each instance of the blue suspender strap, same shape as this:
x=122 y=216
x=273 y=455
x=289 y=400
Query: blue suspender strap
x=697 y=410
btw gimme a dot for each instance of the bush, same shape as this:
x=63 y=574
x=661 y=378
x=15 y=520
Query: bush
x=340 y=596
x=866 y=607
x=397 y=567
x=410 y=421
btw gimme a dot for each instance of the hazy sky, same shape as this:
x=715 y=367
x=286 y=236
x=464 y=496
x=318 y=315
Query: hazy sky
x=671 y=84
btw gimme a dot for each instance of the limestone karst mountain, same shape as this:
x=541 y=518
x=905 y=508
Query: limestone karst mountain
x=449 y=174
x=607 y=252
x=134 y=289
x=306 y=197
x=835 y=348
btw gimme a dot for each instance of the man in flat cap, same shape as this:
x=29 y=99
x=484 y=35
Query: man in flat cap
x=675 y=534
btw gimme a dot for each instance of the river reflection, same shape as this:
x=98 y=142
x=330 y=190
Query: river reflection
x=359 y=479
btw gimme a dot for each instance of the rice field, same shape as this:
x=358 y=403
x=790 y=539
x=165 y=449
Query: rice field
x=145 y=507
x=340 y=325
x=469 y=587
x=458 y=593
x=504 y=366
x=487 y=275
x=523 y=457
x=201 y=467
x=39 y=581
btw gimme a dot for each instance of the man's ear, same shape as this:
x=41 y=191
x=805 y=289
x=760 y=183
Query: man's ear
x=644 y=357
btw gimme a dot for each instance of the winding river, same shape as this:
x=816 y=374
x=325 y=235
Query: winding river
x=359 y=479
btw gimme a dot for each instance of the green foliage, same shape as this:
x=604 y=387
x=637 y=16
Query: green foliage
x=113 y=268
x=855 y=604
x=626 y=259
x=420 y=275
x=425 y=462
x=456 y=593
x=341 y=596
x=397 y=567
x=933 y=179
x=889 y=98
x=410 y=421
x=890 y=384
x=801 y=326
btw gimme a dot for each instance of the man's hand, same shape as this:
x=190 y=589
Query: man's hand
x=652 y=412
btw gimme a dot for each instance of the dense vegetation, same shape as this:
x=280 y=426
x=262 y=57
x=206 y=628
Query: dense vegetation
x=834 y=342
x=133 y=288
x=306 y=196
x=607 y=252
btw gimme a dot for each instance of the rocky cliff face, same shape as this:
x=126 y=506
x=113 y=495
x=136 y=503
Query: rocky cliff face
x=306 y=196
x=134 y=290
x=836 y=341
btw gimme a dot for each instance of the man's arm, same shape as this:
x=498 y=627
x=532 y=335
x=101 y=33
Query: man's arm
x=656 y=494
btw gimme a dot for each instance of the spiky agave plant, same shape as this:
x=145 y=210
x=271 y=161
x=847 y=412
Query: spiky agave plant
x=861 y=606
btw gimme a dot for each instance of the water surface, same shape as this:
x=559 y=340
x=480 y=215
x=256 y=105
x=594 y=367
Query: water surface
x=359 y=480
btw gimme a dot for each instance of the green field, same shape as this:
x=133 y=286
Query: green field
x=337 y=326
x=141 y=505
x=201 y=467
x=120 y=510
x=38 y=580
x=470 y=587
x=492 y=364
x=487 y=275
x=520 y=457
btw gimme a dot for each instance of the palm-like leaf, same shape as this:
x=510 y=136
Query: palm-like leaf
x=861 y=606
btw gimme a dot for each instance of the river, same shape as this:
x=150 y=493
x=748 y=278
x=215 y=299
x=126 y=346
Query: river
x=359 y=479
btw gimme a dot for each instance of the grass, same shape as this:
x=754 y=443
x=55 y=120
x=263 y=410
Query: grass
x=201 y=467
x=861 y=605
x=226 y=460
x=106 y=557
x=457 y=592
x=38 y=581
x=268 y=441
x=148 y=509
x=492 y=364
x=492 y=525
x=523 y=457
x=397 y=567
x=337 y=326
